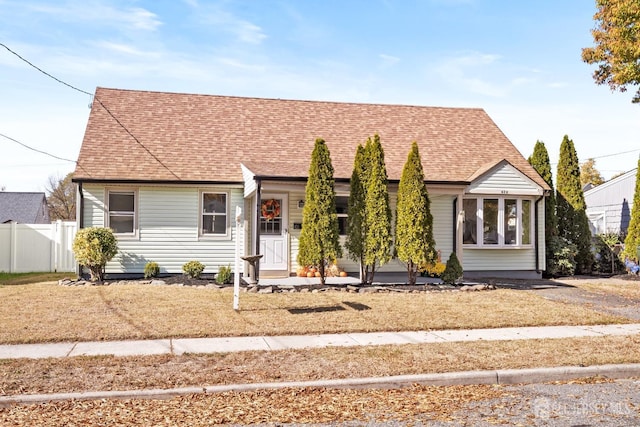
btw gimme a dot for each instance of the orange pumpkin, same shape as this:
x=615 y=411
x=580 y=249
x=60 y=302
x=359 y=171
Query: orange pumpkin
x=310 y=274
x=317 y=274
x=343 y=274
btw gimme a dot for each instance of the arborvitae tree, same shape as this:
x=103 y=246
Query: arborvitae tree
x=356 y=224
x=632 y=241
x=540 y=162
x=319 y=238
x=378 y=240
x=453 y=270
x=573 y=224
x=414 y=223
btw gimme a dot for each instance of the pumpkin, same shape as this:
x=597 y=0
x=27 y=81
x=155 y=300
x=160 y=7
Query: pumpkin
x=343 y=274
x=310 y=274
x=317 y=274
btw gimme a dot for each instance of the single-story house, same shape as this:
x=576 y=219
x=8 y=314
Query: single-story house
x=23 y=208
x=609 y=204
x=166 y=172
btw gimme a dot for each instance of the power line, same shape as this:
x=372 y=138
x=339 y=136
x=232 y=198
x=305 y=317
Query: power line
x=43 y=152
x=99 y=102
x=614 y=154
x=44 y=72
x=35 y=149
x=606 y=155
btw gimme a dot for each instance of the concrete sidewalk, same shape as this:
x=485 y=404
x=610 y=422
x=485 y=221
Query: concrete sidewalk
x=232 y=344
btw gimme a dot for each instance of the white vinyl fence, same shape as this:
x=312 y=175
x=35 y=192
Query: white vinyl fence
x=37 y=247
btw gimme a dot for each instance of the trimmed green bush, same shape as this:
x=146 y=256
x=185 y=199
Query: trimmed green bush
x=563 y=261
x=151 y=269
x=224 y=275
x=193 y=269
x=452 y=271
x=93 y=247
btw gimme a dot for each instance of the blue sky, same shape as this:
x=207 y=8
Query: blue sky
x=519 y=60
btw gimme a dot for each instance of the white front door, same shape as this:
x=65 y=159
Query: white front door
x=274 y=233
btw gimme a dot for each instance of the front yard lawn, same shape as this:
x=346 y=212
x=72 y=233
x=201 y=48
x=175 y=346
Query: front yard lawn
x=47 y=312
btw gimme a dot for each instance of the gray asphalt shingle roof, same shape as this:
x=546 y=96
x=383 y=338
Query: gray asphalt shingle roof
x=25 y=208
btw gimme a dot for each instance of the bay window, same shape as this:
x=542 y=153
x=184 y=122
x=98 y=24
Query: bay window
x=500 y=221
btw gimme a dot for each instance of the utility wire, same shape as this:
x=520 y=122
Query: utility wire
x=99 y=102
x=35 y=149
x=43 y=152
x=44 y=72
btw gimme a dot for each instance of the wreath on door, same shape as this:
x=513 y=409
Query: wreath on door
x=270 y=209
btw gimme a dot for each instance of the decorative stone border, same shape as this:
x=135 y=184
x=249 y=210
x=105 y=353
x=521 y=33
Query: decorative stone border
x=270 y=289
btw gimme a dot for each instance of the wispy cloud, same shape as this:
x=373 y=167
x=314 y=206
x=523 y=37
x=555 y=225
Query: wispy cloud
x=463 y=71
x=98 y=13
x=126 y=49
x=482 y=73
x=388 y=60
x=245 y=31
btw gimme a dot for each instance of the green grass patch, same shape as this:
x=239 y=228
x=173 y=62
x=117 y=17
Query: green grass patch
x=27 y=278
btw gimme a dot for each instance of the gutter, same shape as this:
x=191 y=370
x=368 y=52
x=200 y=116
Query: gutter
x=455 y=224
x=153 y=182
x=80 y=219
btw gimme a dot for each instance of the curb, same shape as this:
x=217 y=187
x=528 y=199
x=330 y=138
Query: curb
x=507 y=376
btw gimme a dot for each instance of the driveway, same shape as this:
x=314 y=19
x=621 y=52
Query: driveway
x=566 y=290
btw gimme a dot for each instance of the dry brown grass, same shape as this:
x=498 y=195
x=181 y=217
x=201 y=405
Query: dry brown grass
x=48 y=312
x=626 y=289
x=79 y=374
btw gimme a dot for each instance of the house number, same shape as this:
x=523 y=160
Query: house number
x=504 y=192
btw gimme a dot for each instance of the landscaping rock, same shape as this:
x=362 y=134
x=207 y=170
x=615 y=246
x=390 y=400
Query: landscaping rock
x=480 y=287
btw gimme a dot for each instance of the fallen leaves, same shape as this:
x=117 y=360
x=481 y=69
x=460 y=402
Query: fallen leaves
x=293 y=405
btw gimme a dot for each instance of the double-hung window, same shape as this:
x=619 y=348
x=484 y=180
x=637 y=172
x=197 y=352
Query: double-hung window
x=497 y=222
x=342 y=205
x=213 y=221
x=121 y=206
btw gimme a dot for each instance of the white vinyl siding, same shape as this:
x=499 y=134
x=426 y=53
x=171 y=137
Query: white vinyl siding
x=94 y=206
x=168 y=221
x=443 y=224
x=295 y=217
x=504 y=180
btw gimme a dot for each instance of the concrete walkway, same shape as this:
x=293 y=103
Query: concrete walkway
x=223 y=345
x=231 y=344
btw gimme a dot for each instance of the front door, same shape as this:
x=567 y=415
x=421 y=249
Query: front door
x=274 y=235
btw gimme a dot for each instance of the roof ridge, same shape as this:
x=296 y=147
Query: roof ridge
x=310 y=101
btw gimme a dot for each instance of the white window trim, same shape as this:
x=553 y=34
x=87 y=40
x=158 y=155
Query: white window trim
x=501 y=224
x=107 y=219
x=208 y=236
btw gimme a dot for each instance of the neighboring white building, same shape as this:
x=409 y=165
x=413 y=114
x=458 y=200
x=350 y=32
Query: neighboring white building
x=609 y=205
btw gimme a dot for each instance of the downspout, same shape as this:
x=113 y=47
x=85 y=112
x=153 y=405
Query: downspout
x=80 y=214
x=257 y=224
x=536 y=240
x=455 y=224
